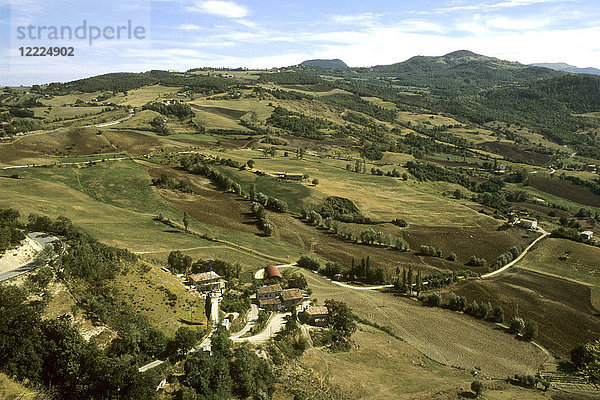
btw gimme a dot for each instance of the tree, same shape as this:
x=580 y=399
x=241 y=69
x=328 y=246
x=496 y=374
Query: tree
x=250 y=163
x=530 y=331
x=433 y=300
x=252 y=192
x=184 y=339
x=517 y=324
x=477 y=387
x=297 y=280
x=315 y=181
x=496 y=314
x=341 y=319
x=208 y=307
x=419 y=285
x=186 y=221
x=268 y=229
x=179 y=262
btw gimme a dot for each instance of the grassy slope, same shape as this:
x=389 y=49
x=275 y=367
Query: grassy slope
x=11 y=390
x=447 y=337
x=381 y=198
x=383 y=367
x=581 y=265
x=115 y=202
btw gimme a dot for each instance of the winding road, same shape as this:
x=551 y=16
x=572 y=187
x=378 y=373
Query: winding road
x=516 y=260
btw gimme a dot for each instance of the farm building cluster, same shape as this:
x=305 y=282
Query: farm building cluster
x=272 y=297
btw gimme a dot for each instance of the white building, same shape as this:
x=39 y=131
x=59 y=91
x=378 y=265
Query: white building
x=528 y=223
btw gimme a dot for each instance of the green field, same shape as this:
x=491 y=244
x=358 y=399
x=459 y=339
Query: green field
x=379 y=197
x=115 y=202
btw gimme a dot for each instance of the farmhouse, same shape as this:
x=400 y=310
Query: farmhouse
x=586 y=235
x=268 y=292
x=272 y=272
x=528 y=223
x=208 y=281
x=317 y=316
x=289 y=176
x=272 y=297
x=291 y=298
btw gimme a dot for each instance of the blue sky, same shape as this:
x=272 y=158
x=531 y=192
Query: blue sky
x=183 y=34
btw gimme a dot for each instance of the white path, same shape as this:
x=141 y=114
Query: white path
x=516 y=260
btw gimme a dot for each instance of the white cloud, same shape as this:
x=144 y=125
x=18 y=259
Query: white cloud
x=190 y=27
x=494 y=6
x=356 y=19
x=227 y=9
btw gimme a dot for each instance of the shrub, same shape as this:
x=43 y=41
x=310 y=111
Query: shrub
x=477 y=387
x=496 y=314
x=477 y=262
x=517 y=324
x=472 y=308
x=309 y=262
x=433 y=300
x=457 y=303
x=452 y=257
x=530 y=331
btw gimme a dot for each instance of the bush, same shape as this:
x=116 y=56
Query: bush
x=530 y=331
x=477 y=262
x=496 y=314
x=457 y=303
x=517 y=324
x=477 y=387
x=309 y=262
x=433 y=300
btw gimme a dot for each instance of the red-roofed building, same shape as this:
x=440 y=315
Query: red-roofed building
x=272 y=271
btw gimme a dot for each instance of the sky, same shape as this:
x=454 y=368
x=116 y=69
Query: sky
x=184 y=34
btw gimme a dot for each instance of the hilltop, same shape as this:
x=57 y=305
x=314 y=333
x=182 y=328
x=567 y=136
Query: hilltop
x=323 y=63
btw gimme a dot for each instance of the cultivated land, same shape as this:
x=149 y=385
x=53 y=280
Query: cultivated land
x=446 y=337
x=101 y=179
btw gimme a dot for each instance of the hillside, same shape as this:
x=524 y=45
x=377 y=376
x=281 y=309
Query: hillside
x=405 y=185
x=568 y=68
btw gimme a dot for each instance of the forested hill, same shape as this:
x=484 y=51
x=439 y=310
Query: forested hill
x=123 y=81
x=462 y=71
x=320 y=63
x=568 y=68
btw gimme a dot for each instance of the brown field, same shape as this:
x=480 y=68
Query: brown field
x=447 y=337
x=208 y=205
x=224 y=112
x=562 y=308
x=565 y=189
x=468 y=241
x=517 y=153
x=216 y=208
x=62 y=142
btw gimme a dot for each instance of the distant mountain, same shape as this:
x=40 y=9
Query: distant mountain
x=462 y=71
x=568 y=68
x=321 y=63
